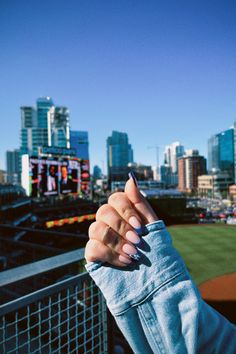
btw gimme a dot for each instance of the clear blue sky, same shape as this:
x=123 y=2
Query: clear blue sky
x=159 y=70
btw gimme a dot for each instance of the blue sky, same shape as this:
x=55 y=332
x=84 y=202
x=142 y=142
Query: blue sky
x=159 y=70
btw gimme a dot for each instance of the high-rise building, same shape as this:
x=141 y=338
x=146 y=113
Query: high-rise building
x=43 y=105
x=190 y=166
x=97 y=173
x=213 y=153
x=169 y=174
x=172 y=153
x=221 y=152
x=44 y=125
x=13 y=166
x=79 y=142
x=34 y=126
x=119 y=154
x=226 y=151
x=58 y=127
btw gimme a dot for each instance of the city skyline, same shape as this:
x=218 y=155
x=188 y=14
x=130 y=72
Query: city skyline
x=159 y=72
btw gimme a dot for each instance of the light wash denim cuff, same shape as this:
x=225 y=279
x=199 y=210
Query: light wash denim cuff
x=159 y=263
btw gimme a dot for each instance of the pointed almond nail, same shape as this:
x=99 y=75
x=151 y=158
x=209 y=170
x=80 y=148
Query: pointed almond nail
x=134 y=222
x=132 y=237
x=128 y=249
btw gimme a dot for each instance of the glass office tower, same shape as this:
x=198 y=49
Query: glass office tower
x=221 y=152
x=119 y=154
x=34 y=126
x=226 y=151
x=79 y=142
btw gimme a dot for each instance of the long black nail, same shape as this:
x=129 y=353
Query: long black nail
x=132 y=175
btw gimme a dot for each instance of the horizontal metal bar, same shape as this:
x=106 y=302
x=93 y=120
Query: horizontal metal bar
x=11 y=276
x=42 y=293
x=44 y=233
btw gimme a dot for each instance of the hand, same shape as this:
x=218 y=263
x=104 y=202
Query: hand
x=112 y=237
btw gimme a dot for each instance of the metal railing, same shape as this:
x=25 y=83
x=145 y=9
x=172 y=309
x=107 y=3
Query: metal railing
x=68 y=315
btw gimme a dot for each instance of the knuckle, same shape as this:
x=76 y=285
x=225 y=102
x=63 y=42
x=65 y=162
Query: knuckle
x=126 y=213
x=121 y=226
x=110 y=237
x=120 y=202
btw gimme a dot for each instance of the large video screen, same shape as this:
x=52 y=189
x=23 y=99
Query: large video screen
x=48 y=177
x=70 y=176
x=85 y=178
x=44 y=176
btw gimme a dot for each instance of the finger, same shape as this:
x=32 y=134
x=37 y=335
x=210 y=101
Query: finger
x=105 y=234
x=123 y=206
x=97 y=251
x=140 y=203
x=107 y=214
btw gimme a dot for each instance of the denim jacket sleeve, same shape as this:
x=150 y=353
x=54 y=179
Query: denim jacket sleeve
x=156 y=304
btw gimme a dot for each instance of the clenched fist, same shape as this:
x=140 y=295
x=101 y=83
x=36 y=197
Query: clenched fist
x=112 y=237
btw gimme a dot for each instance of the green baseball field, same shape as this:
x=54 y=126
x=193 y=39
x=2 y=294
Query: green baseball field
x=208 y=250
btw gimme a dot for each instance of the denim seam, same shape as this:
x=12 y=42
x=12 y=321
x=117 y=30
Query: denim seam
x=156 y=341
x=150 y=294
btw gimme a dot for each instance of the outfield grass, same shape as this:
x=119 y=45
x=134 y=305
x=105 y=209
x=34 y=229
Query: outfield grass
x=208 y=250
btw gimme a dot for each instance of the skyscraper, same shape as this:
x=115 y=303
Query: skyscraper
x=213 y=153
x=172 y=153
x=190 y=166
x=119 y=154
x=34 y=126
x=97 y=172
x=13 y=166
x=43 y=105
x=169 y=174
x=58 y=127
x=44 y=125
x=221 y=152
x=79 y=142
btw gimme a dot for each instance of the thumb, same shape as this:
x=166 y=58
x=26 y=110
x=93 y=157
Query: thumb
x=138 y=200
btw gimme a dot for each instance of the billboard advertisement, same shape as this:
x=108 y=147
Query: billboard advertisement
x=46 y=176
